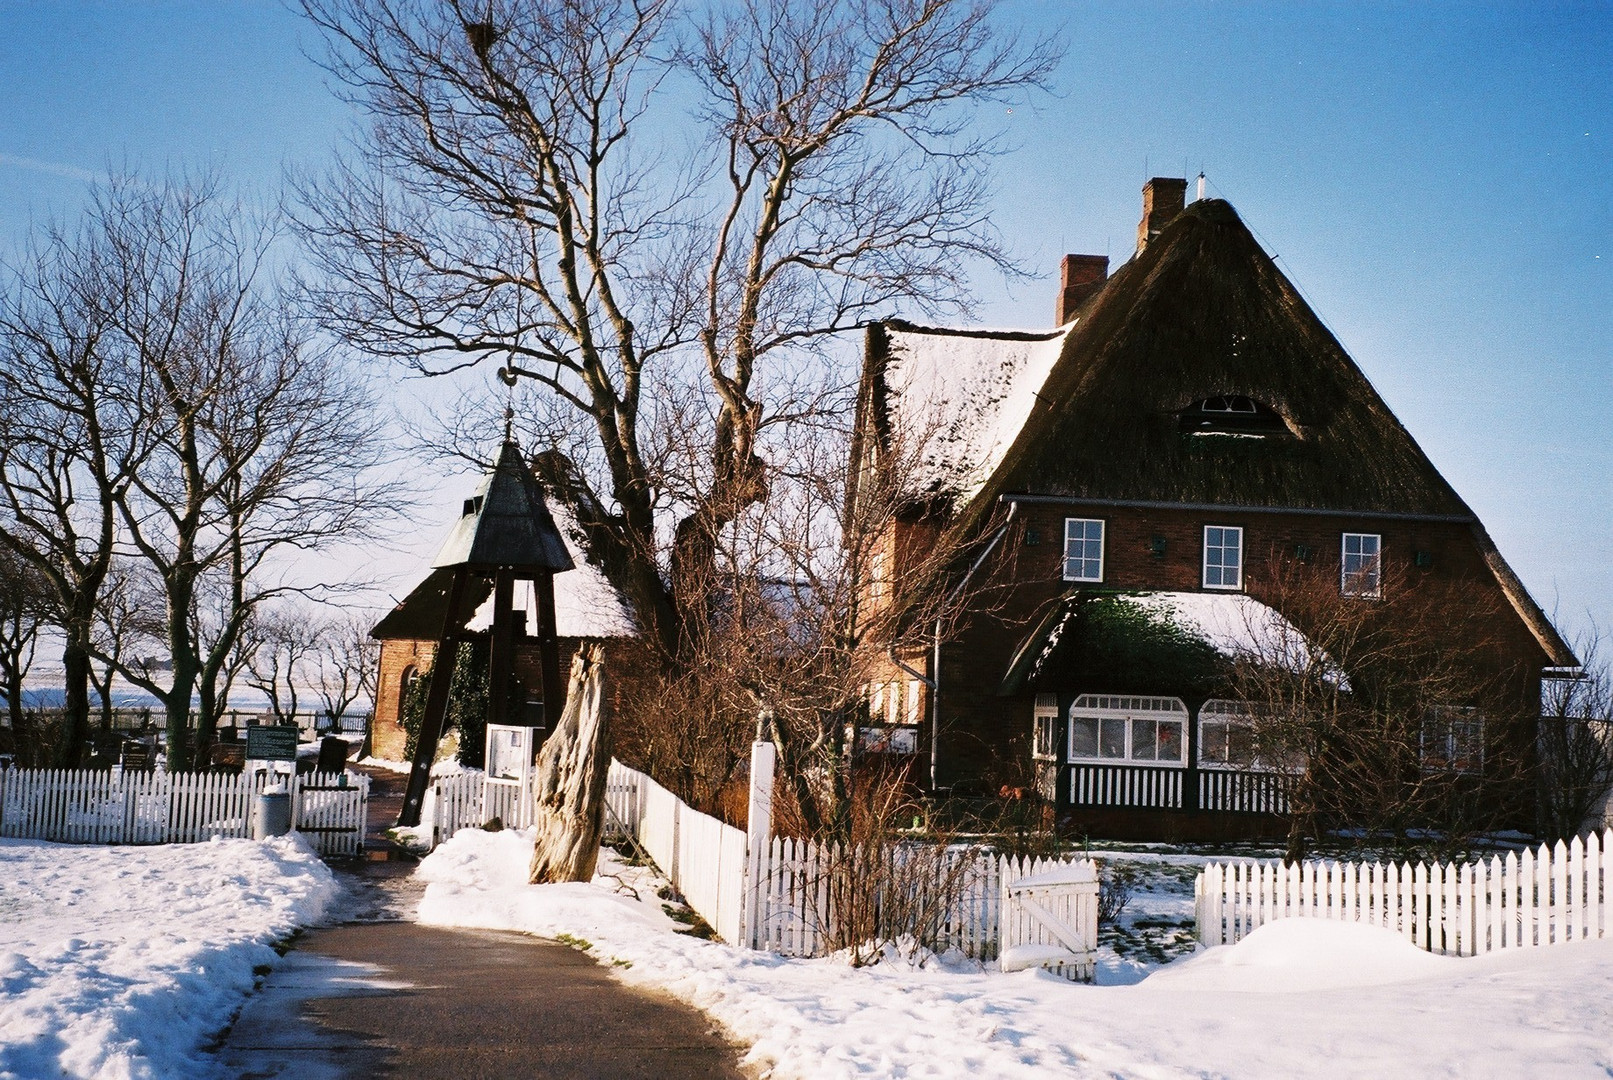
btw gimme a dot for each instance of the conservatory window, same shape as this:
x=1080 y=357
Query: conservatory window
x=1228 y=739
x=1083 y=549
x=1223 y=557
x=1360 y=568
x=1106 y=727
x=1226 y=735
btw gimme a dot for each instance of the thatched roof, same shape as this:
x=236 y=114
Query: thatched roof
x=1201 y=314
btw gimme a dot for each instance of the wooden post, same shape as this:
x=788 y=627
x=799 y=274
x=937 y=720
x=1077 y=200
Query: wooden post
x=554 y=691
x=501 y=656
x=758 y=835
x=442 y=672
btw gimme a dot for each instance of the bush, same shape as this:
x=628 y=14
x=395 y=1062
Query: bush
x=1115 y=886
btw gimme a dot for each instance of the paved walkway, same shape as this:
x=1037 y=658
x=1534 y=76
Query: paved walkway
x=384 y=997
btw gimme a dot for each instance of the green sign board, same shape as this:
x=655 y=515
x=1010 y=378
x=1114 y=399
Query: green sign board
x=271 y=743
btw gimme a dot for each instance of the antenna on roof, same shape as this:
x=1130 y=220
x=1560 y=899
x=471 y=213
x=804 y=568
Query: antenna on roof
x=1201 y=185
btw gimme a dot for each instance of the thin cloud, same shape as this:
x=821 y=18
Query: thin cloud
x=71 y=172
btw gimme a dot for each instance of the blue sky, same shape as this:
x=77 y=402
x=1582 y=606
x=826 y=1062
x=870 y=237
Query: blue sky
x=1437 y=179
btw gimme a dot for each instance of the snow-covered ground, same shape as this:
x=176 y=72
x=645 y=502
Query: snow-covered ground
x=1303 y=998
x=123 y=962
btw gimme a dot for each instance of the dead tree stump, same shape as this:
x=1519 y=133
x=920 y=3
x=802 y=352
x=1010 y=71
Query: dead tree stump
x=569 y=792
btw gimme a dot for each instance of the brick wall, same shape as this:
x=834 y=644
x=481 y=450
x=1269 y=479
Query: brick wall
x=985 y=737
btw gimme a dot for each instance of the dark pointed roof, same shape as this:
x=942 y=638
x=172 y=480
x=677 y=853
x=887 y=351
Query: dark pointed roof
x=1201 y=313
x=506 y=523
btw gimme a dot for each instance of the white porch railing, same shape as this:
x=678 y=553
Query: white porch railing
x=1546 y=896
x=100 y=806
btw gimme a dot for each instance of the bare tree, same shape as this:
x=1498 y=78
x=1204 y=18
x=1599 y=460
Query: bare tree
x=1388 y=725
x=806 y=618
x=71 y=438
x=24 y=609
x=343 y=668
x=1576 y=744
x=287 y=641
x=518 y=197
x=257 y=441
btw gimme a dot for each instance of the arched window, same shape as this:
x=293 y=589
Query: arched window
x=411 y=675
x=1112 y=727
x=1233 y=415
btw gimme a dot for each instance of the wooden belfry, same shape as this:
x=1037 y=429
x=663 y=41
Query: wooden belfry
x=505 y=535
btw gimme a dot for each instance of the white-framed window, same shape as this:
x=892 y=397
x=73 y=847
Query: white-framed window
x=1223 y=557
x=915 y=699
x=877 y=578
x=1360 y=565
x=1045 y=728
x=1453 y=740
x=1083 y=549
x=1109 y=727
x=888 y=740
x=1226 y=735
x=1230 y=738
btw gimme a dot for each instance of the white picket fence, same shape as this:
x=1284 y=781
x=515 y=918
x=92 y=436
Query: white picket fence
x=703 y=858
x=98 y=806
x=768 y=892
x=801 y=887
x=1547 y=896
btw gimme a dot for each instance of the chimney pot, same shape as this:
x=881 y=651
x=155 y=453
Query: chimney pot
x=1082 y=276
x=1163 y=199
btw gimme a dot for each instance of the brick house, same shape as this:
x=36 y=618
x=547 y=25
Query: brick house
x=1187 y=428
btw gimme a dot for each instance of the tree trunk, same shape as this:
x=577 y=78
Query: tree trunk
x=569 y=810
x=76 y=705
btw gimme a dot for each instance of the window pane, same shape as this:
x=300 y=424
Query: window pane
x=1240 y=744
x=1170 y=741
x=1142 y=740
x=1213 y=742
x=1083 y=737
x=1083 y=549
x=1113 y=736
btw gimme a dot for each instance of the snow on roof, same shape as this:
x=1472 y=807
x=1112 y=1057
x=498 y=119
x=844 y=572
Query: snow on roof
x=1234 y=624
x=586 y=605
x=962 y=397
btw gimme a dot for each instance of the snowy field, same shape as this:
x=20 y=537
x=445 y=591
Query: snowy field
x=1300 y=998
x=124 y=962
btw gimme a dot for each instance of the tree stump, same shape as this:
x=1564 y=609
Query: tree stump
x=569 y=796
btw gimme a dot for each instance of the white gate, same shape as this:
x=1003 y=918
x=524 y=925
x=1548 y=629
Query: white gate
x=1050 y=920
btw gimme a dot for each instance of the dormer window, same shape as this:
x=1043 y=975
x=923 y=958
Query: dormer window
x=1232 y=415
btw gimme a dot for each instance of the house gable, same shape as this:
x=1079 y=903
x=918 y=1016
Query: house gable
x=1196 y=376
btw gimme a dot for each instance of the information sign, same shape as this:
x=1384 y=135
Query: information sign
x=264 y=743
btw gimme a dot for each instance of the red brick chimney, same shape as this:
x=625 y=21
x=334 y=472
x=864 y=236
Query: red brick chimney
x=1083 y=275
x=1163 y=199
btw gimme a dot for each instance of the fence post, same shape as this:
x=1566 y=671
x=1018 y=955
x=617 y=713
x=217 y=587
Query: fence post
x=758 y=833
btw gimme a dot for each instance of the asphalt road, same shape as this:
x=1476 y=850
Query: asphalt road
x=381 y=996
x=395 y=999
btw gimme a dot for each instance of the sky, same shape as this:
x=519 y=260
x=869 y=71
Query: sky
x=1437 y=179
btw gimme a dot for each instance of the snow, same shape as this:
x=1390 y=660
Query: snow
x=1302 y=998
x=122 y=962
x=586 y=605
x=962 y=398
x=1233 y=623
x=1306 y=954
